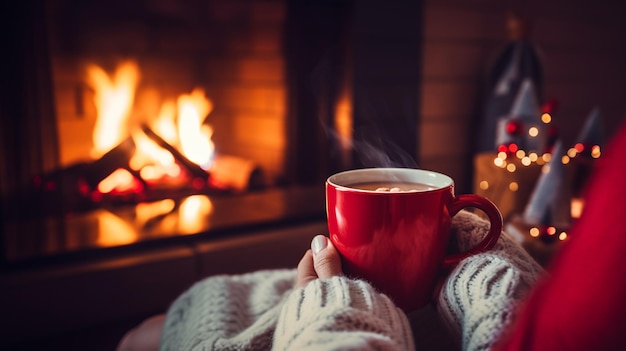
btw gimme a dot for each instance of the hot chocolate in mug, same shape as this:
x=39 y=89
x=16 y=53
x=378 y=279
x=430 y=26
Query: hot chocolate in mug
x=391 y=227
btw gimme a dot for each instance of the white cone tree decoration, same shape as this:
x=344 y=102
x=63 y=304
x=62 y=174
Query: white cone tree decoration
x=550 y=201
x=523 y=126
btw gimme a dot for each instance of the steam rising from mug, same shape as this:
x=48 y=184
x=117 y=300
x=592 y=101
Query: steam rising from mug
x=391 y=155
x=369 y=143
x=377 y=152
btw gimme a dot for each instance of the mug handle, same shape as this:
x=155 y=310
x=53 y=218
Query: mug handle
x=495 y=218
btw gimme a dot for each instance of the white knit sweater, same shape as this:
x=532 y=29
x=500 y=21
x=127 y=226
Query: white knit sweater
x=262 y=311
x=479 y=297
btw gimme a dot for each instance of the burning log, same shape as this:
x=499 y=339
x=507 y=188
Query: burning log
x=227 y=172
x=72 y=188
x=78 y=187
x=94 y=172
x=195 y=170
x=235 y=173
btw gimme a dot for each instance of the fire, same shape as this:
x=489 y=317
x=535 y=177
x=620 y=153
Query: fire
x=113 y=97
x=195 y=137
x=180 y=123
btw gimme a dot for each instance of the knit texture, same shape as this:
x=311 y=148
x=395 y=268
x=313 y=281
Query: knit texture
x=236 y=312
x=261 y=310
x=341 y=314
x=480 y=297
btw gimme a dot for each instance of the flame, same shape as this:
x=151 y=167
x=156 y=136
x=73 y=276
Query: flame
x=165 y=125
x=148 y=153
x=180 y=122
x=194 y=135
x=113 y=97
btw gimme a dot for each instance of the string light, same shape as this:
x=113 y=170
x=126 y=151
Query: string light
x=534 y=232
x=511 y=155
x=499 y=162
x=595 y=151
x=572 y=152
x=565 y=159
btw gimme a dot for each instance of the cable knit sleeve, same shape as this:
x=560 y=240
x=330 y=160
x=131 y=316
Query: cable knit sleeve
x=341 y=314
x=227 y=312
x=480 y=297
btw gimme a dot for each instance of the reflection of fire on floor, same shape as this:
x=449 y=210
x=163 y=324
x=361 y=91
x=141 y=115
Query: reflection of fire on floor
x=145 y=158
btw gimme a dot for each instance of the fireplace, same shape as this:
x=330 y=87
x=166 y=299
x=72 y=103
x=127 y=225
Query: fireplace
x=281 y=94
x=223 y=58
x=276 y=95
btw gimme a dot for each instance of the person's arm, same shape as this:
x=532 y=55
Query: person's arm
x=481 y=296
x=329 y=311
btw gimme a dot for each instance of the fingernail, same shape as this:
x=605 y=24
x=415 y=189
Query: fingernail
x=319 y=243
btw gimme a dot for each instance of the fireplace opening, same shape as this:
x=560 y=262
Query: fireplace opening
x=111 y=104
x=166 y=99
x=170 y=98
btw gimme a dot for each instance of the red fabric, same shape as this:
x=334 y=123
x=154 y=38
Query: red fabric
x=582 y=304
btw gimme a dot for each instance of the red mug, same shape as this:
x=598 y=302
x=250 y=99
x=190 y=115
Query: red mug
x=394 y=239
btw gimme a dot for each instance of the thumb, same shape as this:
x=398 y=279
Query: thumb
x=326 y=260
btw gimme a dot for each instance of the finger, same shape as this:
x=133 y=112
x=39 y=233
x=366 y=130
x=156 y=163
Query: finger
x=305 y=272
x=326 y=260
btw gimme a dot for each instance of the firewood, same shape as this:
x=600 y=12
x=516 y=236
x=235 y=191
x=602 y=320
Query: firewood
x=195 y=170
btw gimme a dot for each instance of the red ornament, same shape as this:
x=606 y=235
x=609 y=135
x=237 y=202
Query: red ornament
x=513 y=127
